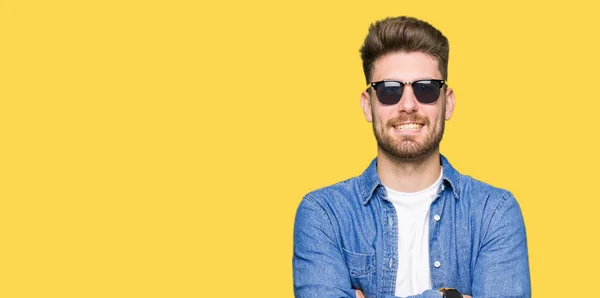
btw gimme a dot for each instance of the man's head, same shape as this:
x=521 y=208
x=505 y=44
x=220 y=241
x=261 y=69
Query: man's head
x=406 y=50
x=404 y=34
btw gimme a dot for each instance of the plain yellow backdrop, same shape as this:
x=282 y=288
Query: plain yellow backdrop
x=160 y=148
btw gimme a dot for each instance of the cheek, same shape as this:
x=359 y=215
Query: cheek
x=437 y=120
x=436 y=115
x=382 y=115
x=381 y=123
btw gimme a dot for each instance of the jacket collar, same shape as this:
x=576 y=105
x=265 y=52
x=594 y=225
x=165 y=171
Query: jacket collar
x=369 y=181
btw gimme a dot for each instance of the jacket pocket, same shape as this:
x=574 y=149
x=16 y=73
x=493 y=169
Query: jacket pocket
x=359 y=264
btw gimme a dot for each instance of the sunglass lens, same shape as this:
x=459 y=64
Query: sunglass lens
x=426 y=92
x=389 y=93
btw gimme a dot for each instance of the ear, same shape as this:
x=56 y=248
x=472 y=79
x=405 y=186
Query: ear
x=365 y=103
x=450 y=101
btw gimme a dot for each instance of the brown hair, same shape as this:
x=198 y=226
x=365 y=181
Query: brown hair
x=404 y=34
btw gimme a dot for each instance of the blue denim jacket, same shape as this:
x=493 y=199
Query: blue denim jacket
x=346 y=238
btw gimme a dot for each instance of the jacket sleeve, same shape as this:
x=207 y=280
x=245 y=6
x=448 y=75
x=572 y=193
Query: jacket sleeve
x=502 y=265
x=318 y=264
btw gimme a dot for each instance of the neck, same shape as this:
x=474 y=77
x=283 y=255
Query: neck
x=408 y=175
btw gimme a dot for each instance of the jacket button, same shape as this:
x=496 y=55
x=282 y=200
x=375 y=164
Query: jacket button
x=436 y=217
x=437 y=264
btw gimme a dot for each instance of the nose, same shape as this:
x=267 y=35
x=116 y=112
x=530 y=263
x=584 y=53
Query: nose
x=408 y=101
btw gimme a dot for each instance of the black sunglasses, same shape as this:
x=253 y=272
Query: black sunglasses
x=390 y=92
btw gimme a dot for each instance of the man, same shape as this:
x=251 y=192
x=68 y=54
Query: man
x=410 y=225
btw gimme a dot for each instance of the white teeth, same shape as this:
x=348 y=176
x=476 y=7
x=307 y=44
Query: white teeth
x=408 y=126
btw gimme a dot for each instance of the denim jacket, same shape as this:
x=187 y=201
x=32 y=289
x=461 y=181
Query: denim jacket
x=346 y=238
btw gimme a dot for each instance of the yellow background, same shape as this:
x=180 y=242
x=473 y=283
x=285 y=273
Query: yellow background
x=160 y=148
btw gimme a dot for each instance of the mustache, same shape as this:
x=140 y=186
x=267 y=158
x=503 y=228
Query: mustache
x=408 y=118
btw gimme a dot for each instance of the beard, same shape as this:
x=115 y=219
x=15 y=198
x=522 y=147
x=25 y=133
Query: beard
x=408 y=147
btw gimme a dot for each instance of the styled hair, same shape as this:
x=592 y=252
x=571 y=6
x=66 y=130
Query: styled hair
x=404 y=34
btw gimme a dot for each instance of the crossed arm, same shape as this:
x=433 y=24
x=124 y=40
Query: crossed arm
x=359 y=294
x=320 y=271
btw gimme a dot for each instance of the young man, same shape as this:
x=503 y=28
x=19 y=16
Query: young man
x=410 y=225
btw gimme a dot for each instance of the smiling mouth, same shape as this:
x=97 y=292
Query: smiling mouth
x=408 y=126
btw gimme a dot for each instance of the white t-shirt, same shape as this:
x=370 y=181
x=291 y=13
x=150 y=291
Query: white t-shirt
x=413 y=238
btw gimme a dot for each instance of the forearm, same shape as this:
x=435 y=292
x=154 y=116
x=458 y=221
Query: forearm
x=426 y=294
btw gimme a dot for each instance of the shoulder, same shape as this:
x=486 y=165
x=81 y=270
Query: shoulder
x=344 y=200
x=329 y=206
x=487 y=202
x=477 y=192
x=474 y=189
x=342 y=193
x=472 y=192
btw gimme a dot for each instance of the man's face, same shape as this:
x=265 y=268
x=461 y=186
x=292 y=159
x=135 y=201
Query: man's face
x=409 y=129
